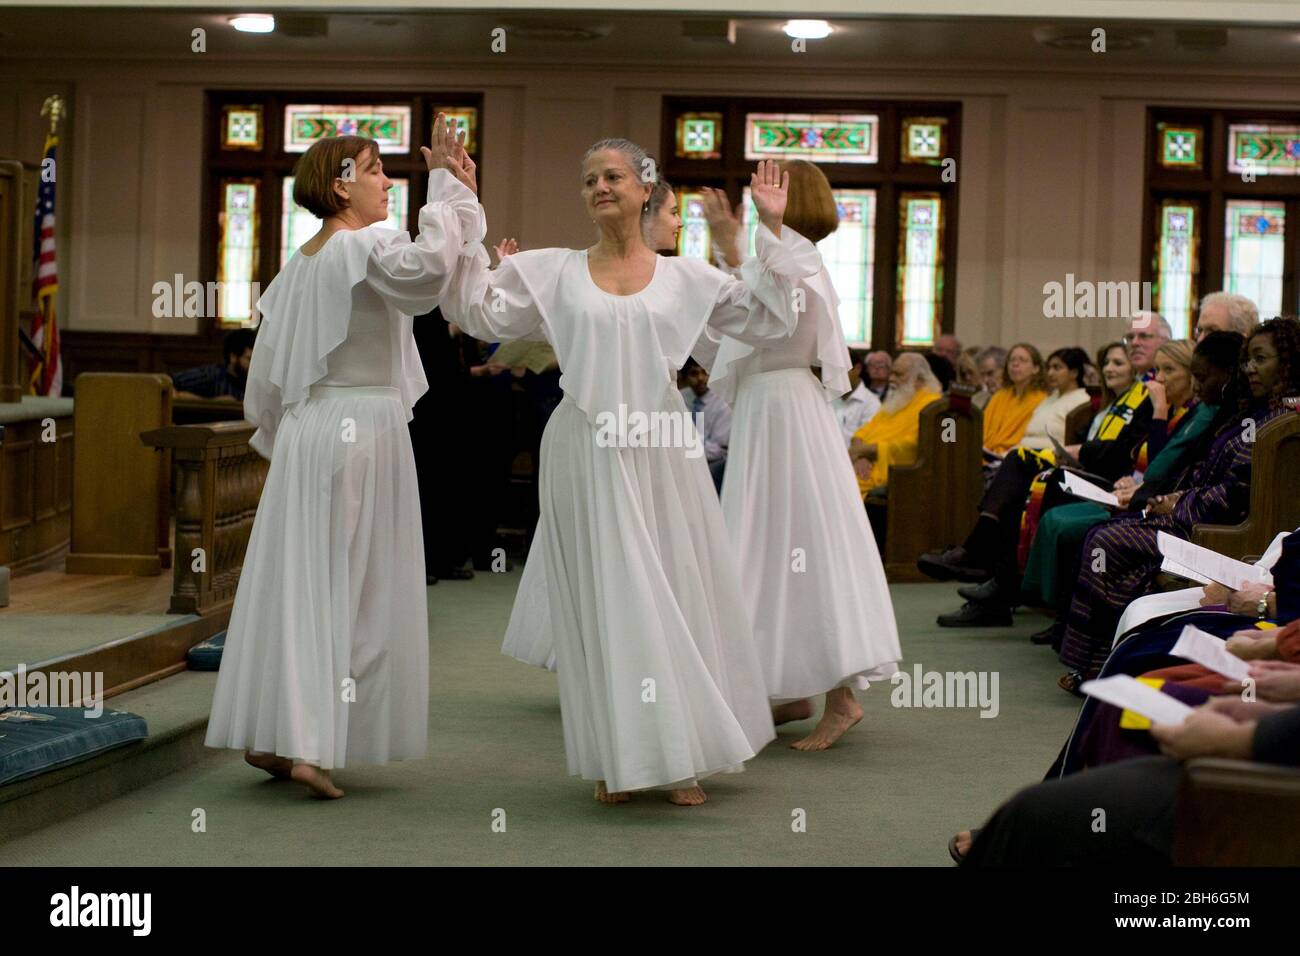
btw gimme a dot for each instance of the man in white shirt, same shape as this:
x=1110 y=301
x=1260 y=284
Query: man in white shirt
x=856 y=408
x=712 y=419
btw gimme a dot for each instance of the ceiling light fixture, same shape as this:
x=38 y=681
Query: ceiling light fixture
x=808 y=29
x=254 y=23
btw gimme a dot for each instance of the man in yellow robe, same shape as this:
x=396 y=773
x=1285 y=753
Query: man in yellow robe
x=890 y=437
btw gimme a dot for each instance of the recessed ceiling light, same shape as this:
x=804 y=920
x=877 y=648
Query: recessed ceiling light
x=808 y=29
x=254 y=23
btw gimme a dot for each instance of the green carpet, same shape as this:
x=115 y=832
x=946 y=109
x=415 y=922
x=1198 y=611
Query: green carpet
x=891 y=792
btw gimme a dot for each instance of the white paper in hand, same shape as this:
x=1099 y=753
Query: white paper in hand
x=1209 y=651
x=1229 y=572
x=1123 y=691
x=1083 y=488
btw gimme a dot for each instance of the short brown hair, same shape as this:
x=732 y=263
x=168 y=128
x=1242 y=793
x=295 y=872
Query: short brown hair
x=1039 y=381
x=317 y=169
x=810 y=208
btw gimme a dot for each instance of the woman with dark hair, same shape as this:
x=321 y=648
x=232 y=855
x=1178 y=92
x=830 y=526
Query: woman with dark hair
x=326 y=659
x=1216 y=491
x=660 y=683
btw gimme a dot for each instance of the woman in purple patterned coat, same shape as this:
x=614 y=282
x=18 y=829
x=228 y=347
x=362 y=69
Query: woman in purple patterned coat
x=1120 y=557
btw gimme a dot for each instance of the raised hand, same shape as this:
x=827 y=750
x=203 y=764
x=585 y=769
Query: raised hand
x=446 y=150
x=770 y=188
x=506 y=247
x=724 y=222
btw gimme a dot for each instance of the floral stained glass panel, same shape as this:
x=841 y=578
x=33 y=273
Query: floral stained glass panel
x=819 y=137
x=920 y=268
x=241 y=127
x=1180 y=145
x=237 y=250
x=1264 y=149
x=390 y=126
x=924 y=139
x=1253 y=254
x=1177 y=263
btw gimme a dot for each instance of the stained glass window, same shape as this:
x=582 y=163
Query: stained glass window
x=1264 y=149
x=241 y=127
x=819 y=137
x=297 y=225
x=695 y=240
x=849 y=253
x=237 y=250
x=1177 y=262
x=1253 y=252
x=465 y=118
x=920 y=268
x=390 y=126
x=699 y=136
x=1180 y=145
x=924 y=139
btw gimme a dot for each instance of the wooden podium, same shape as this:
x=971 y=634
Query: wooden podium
x=120 y=487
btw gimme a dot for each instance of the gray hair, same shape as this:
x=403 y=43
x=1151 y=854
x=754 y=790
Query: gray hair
x=658 y=196
x=1242 y=313
x=917 y=369
x=1148 y=319
x=995 y=352
x=641 y=163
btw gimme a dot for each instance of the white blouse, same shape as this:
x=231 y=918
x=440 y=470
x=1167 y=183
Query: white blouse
x=1048 y=419
x=622 y=349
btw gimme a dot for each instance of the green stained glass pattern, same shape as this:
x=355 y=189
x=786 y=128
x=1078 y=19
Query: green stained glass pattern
x=1264 y=149
x=1177 y=253
x=242 y=127
x=237 y=250
x=695 y=240
x=819 y=137
x=920 y=268
x=390 y=126
x=297 y=225
x=1254 y=252
x=464 y=119
x=699 y=136
x=1180 y=145
x=923 y=139
x=849 y=254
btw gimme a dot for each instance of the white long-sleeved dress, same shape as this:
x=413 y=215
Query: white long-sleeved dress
x=659 y=681
x=326 y=657
x=813 y=580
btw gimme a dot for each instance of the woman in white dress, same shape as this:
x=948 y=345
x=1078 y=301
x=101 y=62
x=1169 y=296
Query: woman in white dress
x=326 y=657
x=814 y=583
x=660 y=685
x=528 y=636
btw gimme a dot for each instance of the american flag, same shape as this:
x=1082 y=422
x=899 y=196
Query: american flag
x=47 y=373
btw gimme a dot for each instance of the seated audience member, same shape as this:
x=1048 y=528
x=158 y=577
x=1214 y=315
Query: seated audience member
x=942 y=369
x=989 y=363
x=1217 y=491
x=1052 y=563
x=855 y=408
x=968 y=375
x=878 y=366
x=1226 y=312
x=1146 y=333
x=1049 y=824
x=947 y=346
x=989 y=550
x=890 y=437
x=712 y=416
x=1007 y=414
x=220 y=379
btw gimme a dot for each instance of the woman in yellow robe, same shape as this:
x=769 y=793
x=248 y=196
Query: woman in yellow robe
x=890 y=436
x=1008 y=412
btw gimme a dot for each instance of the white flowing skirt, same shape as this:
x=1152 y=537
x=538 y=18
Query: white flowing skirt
x=326 y=657
x=659 y=681
x=814 y=583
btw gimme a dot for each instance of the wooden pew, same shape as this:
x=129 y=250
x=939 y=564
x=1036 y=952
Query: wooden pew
x=36 y=455
x=218 y=485
x=1237 y=813
x=1076 y=424
x=1274 y=494
x=931 y=504
x=120 y=507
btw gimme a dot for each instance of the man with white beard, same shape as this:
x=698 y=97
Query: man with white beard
x=891 y=435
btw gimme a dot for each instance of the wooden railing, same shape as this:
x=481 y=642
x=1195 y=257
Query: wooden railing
x=219 y=481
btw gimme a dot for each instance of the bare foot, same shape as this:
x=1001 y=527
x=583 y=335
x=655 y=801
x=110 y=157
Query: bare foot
x=278 y=767
x=841 y=713
x=604 y=796
x=316 y=780
x=691 y=797
x=962 y=841
x=794 y=710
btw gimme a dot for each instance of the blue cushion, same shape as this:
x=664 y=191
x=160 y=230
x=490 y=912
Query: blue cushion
x=206 y=655
x=34 y=740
